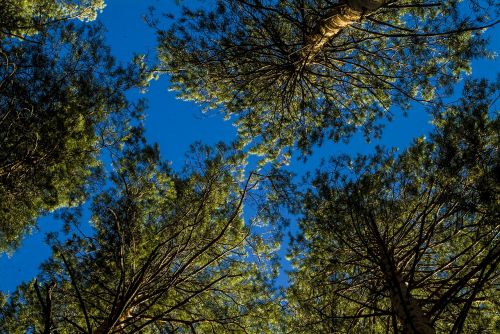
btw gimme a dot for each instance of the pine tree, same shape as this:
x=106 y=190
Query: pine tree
x=168 y=255
x=295 y=72
x=407 y=243
x=61 y=100
x=23 y=18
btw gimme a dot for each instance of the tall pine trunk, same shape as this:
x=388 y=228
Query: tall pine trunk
x=407 y=310
x=337 y=18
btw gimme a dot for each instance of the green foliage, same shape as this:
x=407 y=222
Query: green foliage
x=22 y=18
x=169 y=253
x=425 y=221
x=61 y=100
x=404 y=243
x=246 y=58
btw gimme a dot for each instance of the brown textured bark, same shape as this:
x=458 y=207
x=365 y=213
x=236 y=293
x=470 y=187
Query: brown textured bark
x=112 y=325
x=336 y=19
x=408 y=311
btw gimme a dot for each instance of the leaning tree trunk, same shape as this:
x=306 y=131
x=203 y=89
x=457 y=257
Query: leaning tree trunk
x=337 y=18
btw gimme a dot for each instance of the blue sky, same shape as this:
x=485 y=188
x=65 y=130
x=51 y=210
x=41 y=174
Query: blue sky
x=175 y=124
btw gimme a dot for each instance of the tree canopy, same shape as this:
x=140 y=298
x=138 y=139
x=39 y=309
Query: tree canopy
x=409 y=243
x=61 y=100
x=293 y=72
x=168 y=254
x=23 y=18
x=392 y=241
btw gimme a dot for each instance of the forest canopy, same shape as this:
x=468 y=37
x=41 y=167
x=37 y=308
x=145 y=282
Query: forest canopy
x=392 y=238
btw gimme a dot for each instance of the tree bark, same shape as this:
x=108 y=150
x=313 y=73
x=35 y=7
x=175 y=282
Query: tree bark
x=407 y=310
x=113 y=323
x=336 y=19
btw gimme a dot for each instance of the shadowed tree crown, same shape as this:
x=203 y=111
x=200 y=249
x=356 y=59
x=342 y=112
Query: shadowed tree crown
x=61 y=100
x=23 y=18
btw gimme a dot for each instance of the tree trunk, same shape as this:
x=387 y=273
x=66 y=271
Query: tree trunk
x=336 y=19
x=111 y=325
x=407 y=310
